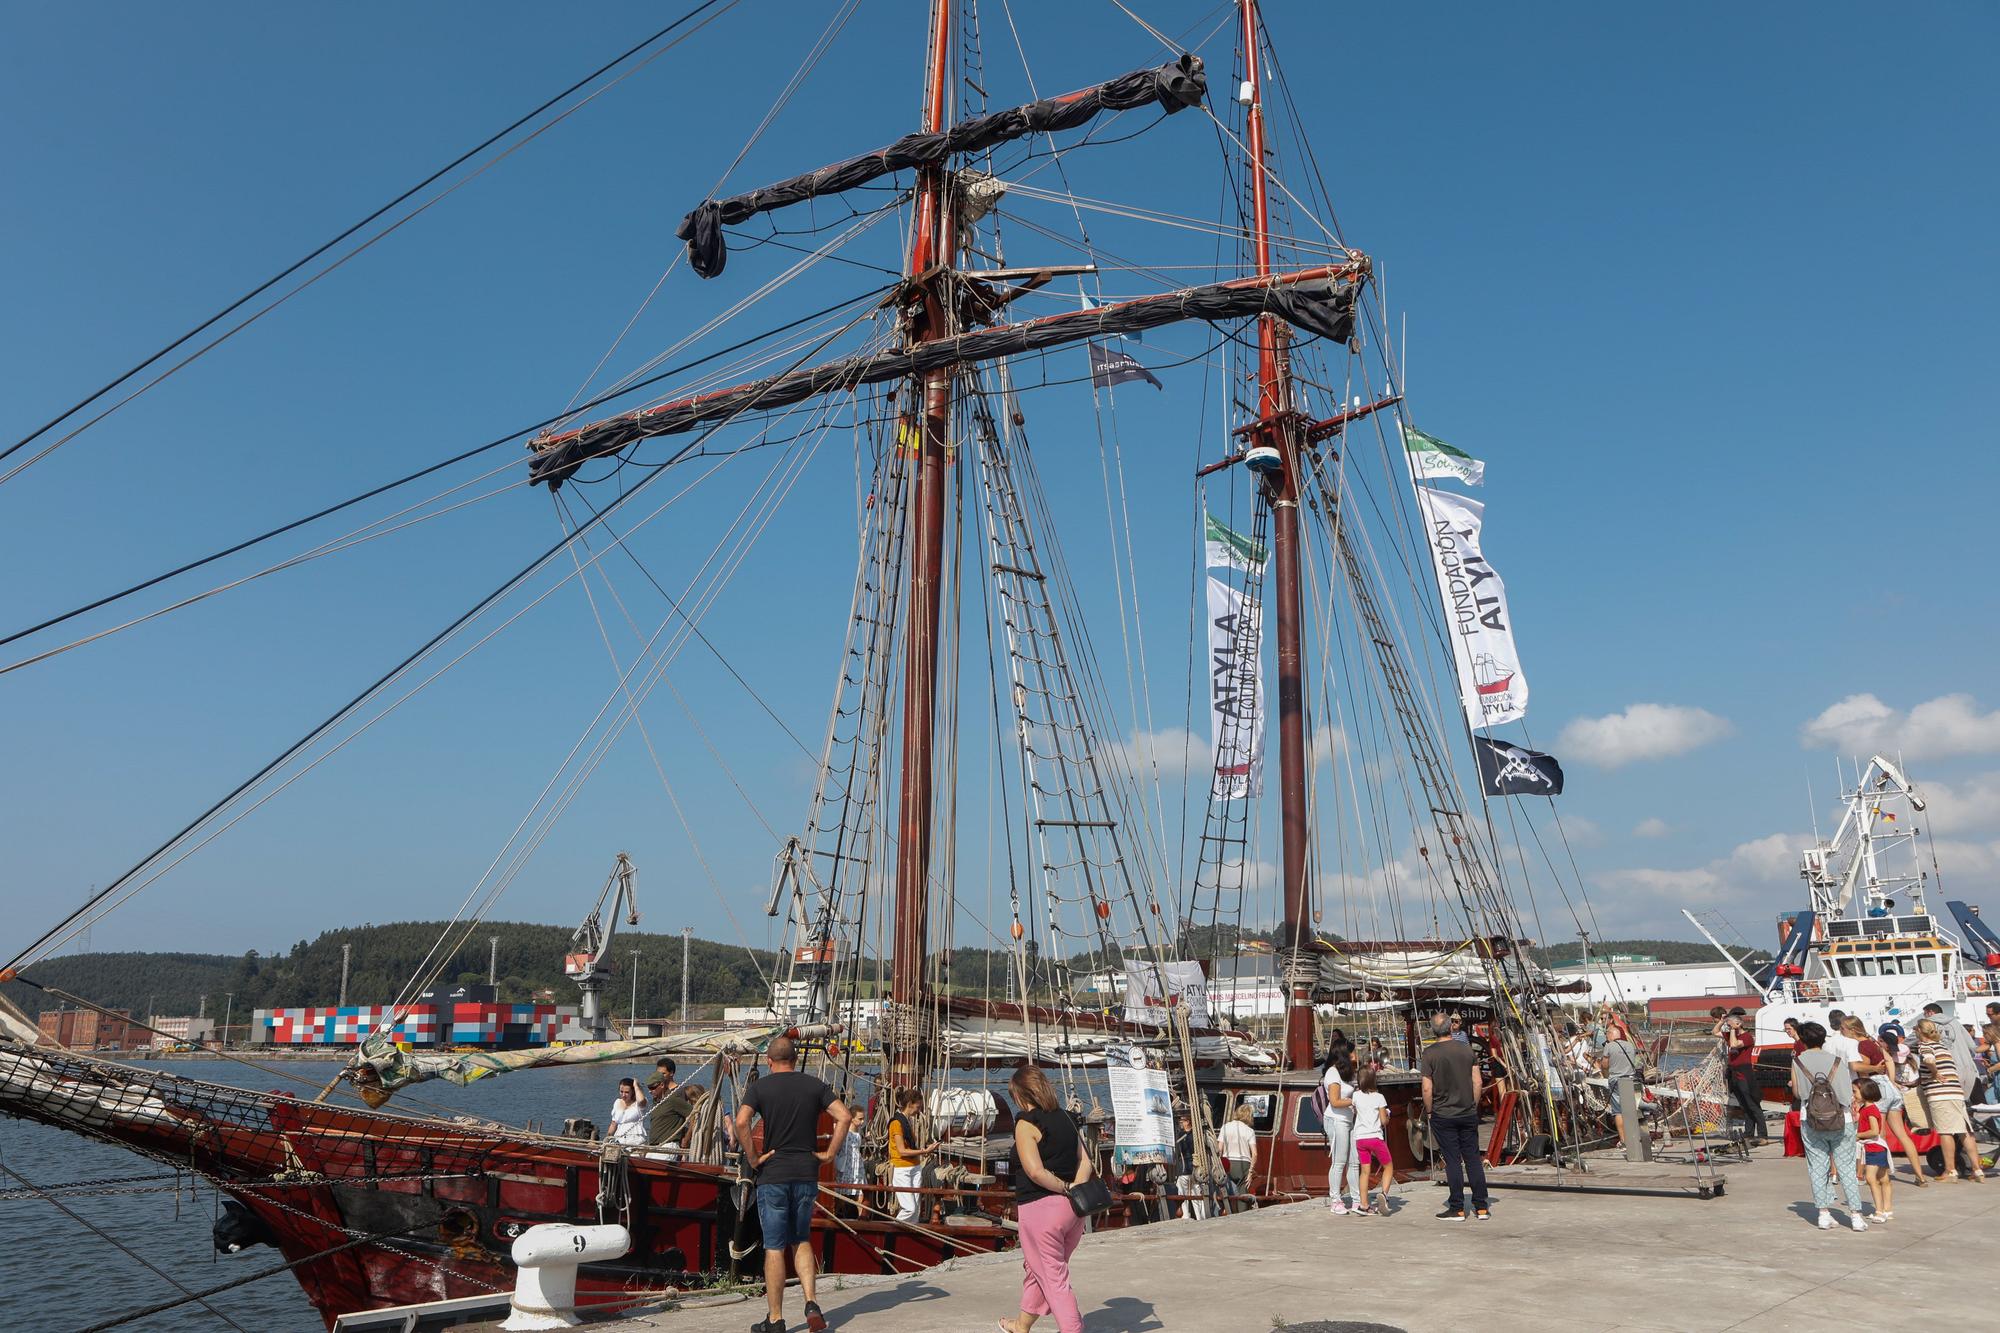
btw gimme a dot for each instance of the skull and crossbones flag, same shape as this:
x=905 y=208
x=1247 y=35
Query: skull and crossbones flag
x=1509 y=770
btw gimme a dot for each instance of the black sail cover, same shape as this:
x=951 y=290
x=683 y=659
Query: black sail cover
x=1173 y=87
x=1324 y=306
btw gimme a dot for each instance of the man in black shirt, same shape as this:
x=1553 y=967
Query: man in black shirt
x=1451 y=1102
x=788 y=1172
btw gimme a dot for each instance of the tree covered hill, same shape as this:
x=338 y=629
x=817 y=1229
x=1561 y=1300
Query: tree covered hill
x=384 y=959
x=1667 y=951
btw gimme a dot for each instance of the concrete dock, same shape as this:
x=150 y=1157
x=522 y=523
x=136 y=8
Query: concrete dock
x=1547 y=1262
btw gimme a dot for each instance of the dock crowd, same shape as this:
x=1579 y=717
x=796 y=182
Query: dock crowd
x=1861 y=1104
x=1862 y=1100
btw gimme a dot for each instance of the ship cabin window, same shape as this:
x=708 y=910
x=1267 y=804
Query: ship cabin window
x=1218 y=1108
x=1906 y=966
x=1927 y=962
x=1306 y=1122
x=1263 y=1110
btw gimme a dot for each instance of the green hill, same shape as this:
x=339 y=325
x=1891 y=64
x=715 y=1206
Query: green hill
x=384 y=958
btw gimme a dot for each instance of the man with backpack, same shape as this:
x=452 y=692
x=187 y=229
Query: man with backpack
x=1824 y=1085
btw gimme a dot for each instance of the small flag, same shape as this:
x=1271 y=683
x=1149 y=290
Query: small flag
x=1888 y=815
x=1509 y=770
x=1108 y=368
x=1088 y=304
x=1432 y=457
x=1230 y=548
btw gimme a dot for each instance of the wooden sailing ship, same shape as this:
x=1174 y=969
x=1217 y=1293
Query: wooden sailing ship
x=376 y=1207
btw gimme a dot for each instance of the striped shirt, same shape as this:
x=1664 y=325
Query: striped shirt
x=1940 y=1076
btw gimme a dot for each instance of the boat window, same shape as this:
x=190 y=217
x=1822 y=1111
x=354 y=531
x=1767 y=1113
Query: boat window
x=1869 y=966
x=1927 y=962
x=1263 y=1110
x=1907 y=966
x=1217 y=1103
x=1306 y=1122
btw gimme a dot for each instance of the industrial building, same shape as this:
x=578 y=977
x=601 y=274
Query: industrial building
x=1640 y=979
x=88 y=1030
x=183 y=1030
x=431 y=1021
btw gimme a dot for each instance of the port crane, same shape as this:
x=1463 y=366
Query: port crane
x=588 y=962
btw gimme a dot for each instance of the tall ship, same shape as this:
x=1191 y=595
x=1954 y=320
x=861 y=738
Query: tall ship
x=988 y=870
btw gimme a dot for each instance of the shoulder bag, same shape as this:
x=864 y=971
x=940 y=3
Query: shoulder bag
x=1090 y=1198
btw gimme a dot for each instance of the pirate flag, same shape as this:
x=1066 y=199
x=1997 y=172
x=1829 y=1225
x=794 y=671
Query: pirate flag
x=1108 y=367
x=1509 y=770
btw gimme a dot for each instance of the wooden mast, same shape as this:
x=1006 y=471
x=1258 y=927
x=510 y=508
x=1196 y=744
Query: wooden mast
x=1276 y=427
x=923 y=440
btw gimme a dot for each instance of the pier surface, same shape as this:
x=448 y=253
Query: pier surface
x=1548 y=1262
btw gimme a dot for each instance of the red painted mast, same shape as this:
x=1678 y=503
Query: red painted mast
x=1276 y=426
x=923 y=438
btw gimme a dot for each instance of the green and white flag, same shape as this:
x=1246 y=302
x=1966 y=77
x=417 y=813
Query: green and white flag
x=1232 y=549
x=1432 y=457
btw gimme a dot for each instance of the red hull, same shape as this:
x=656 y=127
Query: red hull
x=436 y=1206
x=427 y=1210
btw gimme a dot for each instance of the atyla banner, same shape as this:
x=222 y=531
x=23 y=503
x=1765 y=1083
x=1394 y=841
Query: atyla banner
x=1236 y=691
x=1490 y=681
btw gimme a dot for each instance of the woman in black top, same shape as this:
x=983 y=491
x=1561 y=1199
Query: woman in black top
x=1048 y=1160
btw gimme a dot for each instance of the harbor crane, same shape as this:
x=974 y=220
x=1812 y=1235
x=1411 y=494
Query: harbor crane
x=588 y=962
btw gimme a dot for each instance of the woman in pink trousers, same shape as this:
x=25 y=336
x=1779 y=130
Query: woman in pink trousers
x=1048 y=1160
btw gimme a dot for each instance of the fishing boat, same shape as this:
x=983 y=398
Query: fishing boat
x=1870 y=942
x=376 y=1205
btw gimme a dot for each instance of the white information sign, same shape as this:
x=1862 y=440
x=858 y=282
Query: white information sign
x=1142 y=1110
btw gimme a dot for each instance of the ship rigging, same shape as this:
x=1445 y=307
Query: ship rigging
x=970 y=644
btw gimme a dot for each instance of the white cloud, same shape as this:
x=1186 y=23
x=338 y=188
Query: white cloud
x=1947 y=725
x=1759 y=873
x=1171 y=748
x=1651 y=827
x=1582 y=832
x=1642 y=731
x=1972 y=806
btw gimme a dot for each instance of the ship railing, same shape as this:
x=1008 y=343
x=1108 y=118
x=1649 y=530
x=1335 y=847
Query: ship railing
x=1811 y=990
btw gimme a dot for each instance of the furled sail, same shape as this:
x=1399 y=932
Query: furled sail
x=382 y=1067
x=1173 y=87
x=1316 y=300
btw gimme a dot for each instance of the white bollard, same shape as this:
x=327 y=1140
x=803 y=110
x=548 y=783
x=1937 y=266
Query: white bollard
x=547 y=1257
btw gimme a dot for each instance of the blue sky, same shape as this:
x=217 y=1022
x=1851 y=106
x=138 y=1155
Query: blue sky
x=1709 y=288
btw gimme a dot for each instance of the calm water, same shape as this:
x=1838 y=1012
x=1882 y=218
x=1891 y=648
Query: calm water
x=56 y=1275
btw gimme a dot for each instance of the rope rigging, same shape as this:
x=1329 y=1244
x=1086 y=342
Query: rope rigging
x=365 y=245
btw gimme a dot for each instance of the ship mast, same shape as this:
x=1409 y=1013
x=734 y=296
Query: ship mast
x=1276 y=427
x=923 y=437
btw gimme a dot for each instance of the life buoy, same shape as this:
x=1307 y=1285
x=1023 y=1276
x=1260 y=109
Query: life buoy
x=1976 y=982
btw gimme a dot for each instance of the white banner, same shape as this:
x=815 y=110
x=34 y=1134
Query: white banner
x=1236 y=691
x=1151 y=989
x=1490 y=682
x=1142 y=1110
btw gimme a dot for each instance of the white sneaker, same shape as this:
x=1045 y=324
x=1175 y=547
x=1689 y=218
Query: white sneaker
x=1825 y=1220
x=1858 y=1222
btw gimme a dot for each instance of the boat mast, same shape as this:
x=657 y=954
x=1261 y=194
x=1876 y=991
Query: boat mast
x=1276 y=427
x=923 y=437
